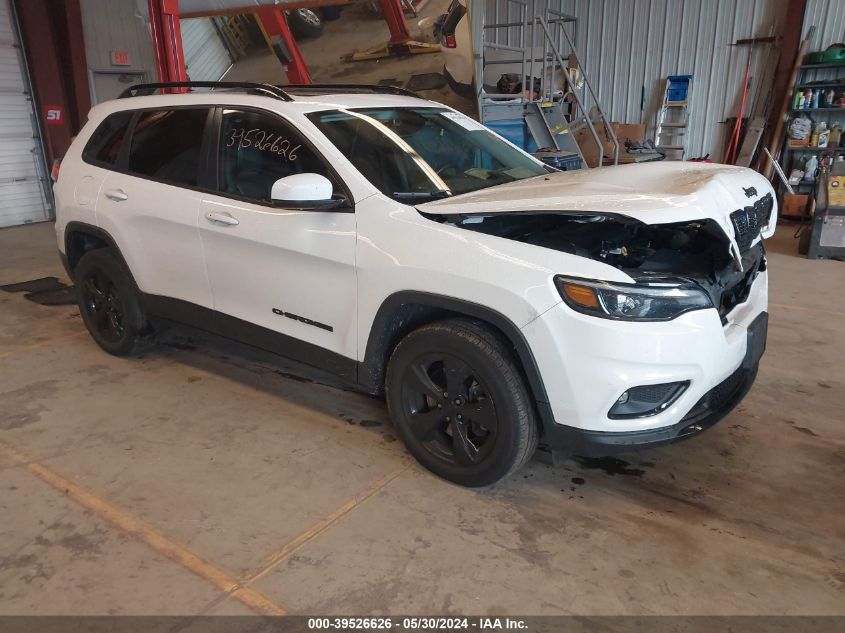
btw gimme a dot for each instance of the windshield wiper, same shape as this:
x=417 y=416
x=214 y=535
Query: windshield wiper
x=417 y=196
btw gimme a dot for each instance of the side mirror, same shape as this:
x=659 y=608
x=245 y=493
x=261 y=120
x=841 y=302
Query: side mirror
x=311 y=191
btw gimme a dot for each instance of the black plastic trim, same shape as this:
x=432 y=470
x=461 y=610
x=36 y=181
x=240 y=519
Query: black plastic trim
x=266 y=90
x=89 y=229
x=674 y=393
x=350 y=88
x=248 y=333
x=383 y=338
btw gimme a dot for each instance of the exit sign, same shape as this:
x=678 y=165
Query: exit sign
x=120 y=58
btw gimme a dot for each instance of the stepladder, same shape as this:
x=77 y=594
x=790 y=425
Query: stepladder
x=673 y=117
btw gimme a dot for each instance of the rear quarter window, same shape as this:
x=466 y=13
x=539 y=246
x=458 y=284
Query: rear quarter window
x=103 y=148
x=166 y=145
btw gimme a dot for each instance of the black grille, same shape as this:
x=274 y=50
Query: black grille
x=718 y=396
x=733 y=296
x=750 y=220
x=652 y=393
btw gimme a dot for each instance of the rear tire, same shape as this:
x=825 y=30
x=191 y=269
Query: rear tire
x=109 y=304
x=305 y=23
x=460 y=404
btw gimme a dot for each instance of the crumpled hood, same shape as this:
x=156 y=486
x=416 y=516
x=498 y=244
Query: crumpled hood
x=654 y=193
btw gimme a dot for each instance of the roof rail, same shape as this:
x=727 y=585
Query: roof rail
x=365 y=88
x=266 y=90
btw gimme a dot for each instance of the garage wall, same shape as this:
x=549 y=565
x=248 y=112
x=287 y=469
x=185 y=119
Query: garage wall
x=828 y=16
x=22 y=181
x=116 y=25
x=629 y=46
x=206 y=57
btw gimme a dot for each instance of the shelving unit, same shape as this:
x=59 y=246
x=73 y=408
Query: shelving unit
x=789 y=160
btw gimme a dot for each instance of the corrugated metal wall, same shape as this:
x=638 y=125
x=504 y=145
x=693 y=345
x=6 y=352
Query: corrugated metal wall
x=206 y=57
x=116 y=25
x=828 y=16
x=629 y=46
x=22 y=196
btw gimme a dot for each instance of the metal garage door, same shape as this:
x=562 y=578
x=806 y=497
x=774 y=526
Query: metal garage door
x=206 y=57
x=22 y=196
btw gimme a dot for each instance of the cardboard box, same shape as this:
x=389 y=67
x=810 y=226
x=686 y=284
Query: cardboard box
x=793 y=142
x=794 y=205
x=623 y=131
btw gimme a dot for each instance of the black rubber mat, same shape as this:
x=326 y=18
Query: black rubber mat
x=45 y=291
x=426 y=81
x=59 y=297
x=35 y=285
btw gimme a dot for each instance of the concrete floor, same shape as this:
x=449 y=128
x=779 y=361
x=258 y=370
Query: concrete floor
x=206 y=477
x=357 y=30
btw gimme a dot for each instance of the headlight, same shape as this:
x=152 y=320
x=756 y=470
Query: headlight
x=653 y=300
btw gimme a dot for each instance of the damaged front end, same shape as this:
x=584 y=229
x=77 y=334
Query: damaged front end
x=698 y=252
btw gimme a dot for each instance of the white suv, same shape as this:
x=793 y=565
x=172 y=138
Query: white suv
x=399 y=244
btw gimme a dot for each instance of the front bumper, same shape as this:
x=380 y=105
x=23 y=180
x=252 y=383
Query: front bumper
x=586 y=363
x=712 y=408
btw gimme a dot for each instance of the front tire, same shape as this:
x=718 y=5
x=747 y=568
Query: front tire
x=459 y=402
x=109 y=304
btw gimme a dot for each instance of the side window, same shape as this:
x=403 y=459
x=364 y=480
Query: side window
x=104 y=145
x=166 y=145
x=256 y=149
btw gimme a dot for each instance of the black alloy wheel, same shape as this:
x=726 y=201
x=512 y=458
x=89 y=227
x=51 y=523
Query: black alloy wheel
x=109 y=304
x=451 y=413
x=103 y=306
x=459 y=402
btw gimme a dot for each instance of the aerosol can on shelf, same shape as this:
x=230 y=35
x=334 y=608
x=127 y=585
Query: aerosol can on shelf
x=823 y=134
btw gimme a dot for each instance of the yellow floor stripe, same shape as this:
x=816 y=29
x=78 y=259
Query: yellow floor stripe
x=292 y=546
x=154 y=539
x=34 y=346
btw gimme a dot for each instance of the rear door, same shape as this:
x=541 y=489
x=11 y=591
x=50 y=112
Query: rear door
x=150 y=205
x=286 y=269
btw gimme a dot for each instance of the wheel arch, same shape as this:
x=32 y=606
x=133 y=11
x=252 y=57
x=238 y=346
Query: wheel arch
x=81 y=237
x=405 y=311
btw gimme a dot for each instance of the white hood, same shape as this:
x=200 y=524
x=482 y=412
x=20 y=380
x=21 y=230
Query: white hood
x=653 y=193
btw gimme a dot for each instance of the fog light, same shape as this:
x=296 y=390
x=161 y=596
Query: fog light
x=640 y=402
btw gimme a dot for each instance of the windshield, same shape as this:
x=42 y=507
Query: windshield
x=418 y=154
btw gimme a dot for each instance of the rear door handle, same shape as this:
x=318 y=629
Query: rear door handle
x=221 y=218
x=118 y=195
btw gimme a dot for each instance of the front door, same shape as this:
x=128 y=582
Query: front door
x=286 y=269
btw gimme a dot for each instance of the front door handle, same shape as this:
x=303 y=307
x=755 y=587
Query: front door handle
x=221 y=218
x=118 y=195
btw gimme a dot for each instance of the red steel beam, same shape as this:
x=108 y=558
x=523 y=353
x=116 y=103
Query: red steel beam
x=304 y=4
x=275 y=23
x=167 y=41
x=394 y=15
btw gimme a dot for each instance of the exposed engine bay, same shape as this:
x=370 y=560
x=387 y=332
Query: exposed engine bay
x=698 y=250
